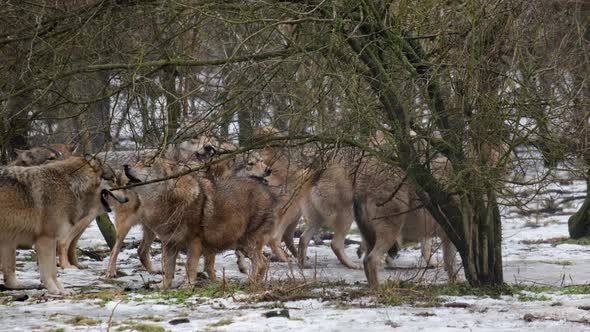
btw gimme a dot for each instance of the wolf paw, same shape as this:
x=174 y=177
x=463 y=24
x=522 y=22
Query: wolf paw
x=356 y=266
x=13 y=284
x=80 y=266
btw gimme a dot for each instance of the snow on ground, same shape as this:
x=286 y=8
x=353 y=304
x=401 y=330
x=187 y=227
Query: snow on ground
x=102 y=304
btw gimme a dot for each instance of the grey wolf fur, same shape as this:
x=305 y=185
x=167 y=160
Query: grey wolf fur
x=41 y=154
x=41 y=204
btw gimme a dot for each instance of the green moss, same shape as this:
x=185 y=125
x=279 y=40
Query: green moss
x=83 y=321
x=459 y=289
x=151 y=318
x=530 y=298
x=223 y=322
x=581 y=241
x=142 y=327
x=576 y=289
x=562 y=263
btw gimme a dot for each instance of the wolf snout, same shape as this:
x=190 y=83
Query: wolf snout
x=268 y=171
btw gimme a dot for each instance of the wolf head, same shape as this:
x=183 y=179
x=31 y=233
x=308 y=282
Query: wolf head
x=108 y=180
x=160 y=169
x=251 y=165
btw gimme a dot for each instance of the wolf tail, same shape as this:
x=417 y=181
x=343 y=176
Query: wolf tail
x=362 y=218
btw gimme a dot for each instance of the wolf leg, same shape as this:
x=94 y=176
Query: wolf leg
x=71 y=240
x=72 y=253
x=341 y=223
x=426 y=250
x=169 y=253
x=45 y=247
x=122 y=227
x=372 y=260
x=210 y=266
x=449 y=252
x=192 y=265
x=278 y=251
x=241 y=261
x=144 y=250
x=310 y=230
x=8 y=259
x=258 y=262
x=287 y=226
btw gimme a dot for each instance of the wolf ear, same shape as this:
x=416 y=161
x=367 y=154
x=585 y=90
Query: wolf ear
x=71 y=147
x=92 y=161
x=19 y=151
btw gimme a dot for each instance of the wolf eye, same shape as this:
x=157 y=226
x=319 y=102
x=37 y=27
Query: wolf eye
x=250 y=163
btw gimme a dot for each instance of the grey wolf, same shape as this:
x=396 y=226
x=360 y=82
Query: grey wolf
x=41 y=154
x=322 y=194
x=41 y=204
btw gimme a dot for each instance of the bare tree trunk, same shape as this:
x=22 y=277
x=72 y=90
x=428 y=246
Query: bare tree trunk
x=15 y=127
x=173 y=103
x=98 y=115
x=245 y=124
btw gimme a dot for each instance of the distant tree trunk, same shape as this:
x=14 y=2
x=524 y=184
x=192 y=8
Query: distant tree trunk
x=173 y=103
x=95 y=122
x=245 y=124
x=15 y=127
x=99 y=115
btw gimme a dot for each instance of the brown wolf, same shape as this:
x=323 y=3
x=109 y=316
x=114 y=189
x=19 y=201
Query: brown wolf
x=128 y=215
x=41 y=203
x=184 y=151
x=195 y=214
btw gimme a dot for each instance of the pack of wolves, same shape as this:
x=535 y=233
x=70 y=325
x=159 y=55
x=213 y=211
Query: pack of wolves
x=241 y=201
